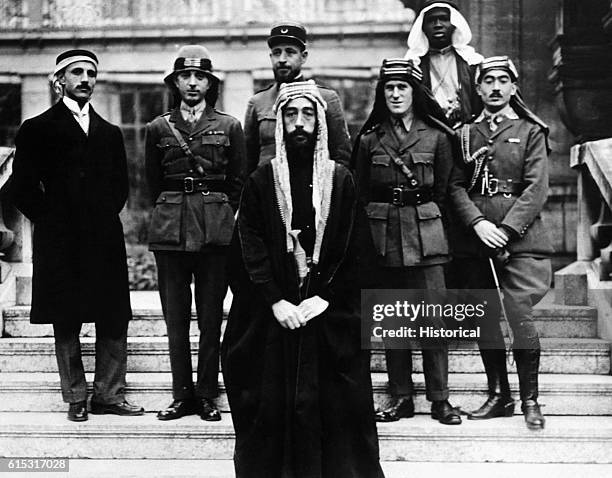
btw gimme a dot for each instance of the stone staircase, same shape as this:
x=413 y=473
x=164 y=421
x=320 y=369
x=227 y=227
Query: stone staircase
x=576 y=389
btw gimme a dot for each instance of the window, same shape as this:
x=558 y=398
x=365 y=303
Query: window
x=10 y=112
x=357 y=96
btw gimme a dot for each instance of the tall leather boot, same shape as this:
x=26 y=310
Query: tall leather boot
x=499 y=403
x=527 y=367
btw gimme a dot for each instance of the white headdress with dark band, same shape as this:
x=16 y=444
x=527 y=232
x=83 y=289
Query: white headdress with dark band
x=496 y=63
x=322 y=170
x=418 y=44
x=66 y=59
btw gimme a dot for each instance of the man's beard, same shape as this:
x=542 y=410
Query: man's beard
x=300 y=142
x=286 y=76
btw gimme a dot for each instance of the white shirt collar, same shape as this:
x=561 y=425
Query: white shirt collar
x=73 y=106
x=196 y=109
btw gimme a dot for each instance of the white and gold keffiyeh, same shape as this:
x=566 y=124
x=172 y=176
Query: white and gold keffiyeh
x=322 y=171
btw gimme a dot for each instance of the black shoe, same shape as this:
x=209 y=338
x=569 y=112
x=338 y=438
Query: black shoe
x=123 y=408
x=208 y=410
x=533 y=416
x=495 y=406
x=178 y=409
x=77 y=412
x=403 y=408
x=442 y=411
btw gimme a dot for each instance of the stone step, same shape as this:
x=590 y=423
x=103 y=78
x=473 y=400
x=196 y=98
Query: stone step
x=560 y=394
x=565 y=439
x=551 y=320
x=392 y=469
x=150 y=354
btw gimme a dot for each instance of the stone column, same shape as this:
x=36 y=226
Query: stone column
x=237 y=89
x=35 y=95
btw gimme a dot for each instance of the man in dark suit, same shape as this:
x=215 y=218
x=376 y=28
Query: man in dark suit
x=439 y=44
x=498 y=197
x=287 y=42
x=70 y=180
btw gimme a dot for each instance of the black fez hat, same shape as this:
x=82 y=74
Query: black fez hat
x=427 y=3
x=288 y=32
x=399 y=69
x=72 y=56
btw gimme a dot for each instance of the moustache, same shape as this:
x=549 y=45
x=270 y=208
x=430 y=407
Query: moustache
x=299 y=136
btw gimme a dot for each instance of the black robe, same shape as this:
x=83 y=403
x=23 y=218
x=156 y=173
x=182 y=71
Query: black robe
x=301 y=400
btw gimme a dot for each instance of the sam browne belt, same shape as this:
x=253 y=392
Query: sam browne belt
x=401 y=196
x=188 y=185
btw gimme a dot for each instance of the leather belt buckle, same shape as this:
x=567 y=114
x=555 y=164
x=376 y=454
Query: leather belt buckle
x=509 y=190
x=188 y=185
x=493 y=186
x=397 y=198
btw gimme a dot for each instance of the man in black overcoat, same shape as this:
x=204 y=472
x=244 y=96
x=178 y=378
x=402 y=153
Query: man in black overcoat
x=70 y=180
x=297 y=379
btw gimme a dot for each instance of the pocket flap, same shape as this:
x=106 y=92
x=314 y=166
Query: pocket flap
x=422 y=157
x=429 y=210
x=378 y=210
x=216 y=139
x=381 y=160
x=170 y=197
x=214 y=197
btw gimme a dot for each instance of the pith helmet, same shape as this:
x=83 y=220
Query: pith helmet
x=194 y=57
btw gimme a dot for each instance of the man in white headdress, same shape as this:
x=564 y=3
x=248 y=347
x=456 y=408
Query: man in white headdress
x=297 y=379
x=439 y=44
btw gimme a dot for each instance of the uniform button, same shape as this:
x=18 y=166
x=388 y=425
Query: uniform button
x=163 y=198
x=191 y=170
x=490 y=141
x=191 y=139
x=490 y=158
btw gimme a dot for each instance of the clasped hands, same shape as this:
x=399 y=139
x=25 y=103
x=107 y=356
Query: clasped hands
x=493 y=236
x=292 y=316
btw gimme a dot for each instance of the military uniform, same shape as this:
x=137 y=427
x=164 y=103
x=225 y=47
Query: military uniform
x=260 y=123
x=516 y=193
x=196 y=193
x=505 y=181
x=406 y=220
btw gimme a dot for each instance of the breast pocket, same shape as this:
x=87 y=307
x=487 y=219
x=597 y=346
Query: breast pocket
x=214 y=148
x=165 y=226
x=424 y=168
x=267 y=125
x=431 y=230
x=381 y=172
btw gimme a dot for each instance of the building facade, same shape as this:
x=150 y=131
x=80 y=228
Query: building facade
x=136 y=41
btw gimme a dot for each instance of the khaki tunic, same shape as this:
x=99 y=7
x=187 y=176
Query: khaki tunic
x=409 y=235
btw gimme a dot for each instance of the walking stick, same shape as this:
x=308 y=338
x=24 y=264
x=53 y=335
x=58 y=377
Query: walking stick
x=505 y=315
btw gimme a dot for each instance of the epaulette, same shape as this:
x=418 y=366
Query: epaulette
x=160 y=117
x=371 y=129
x=265 y=89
